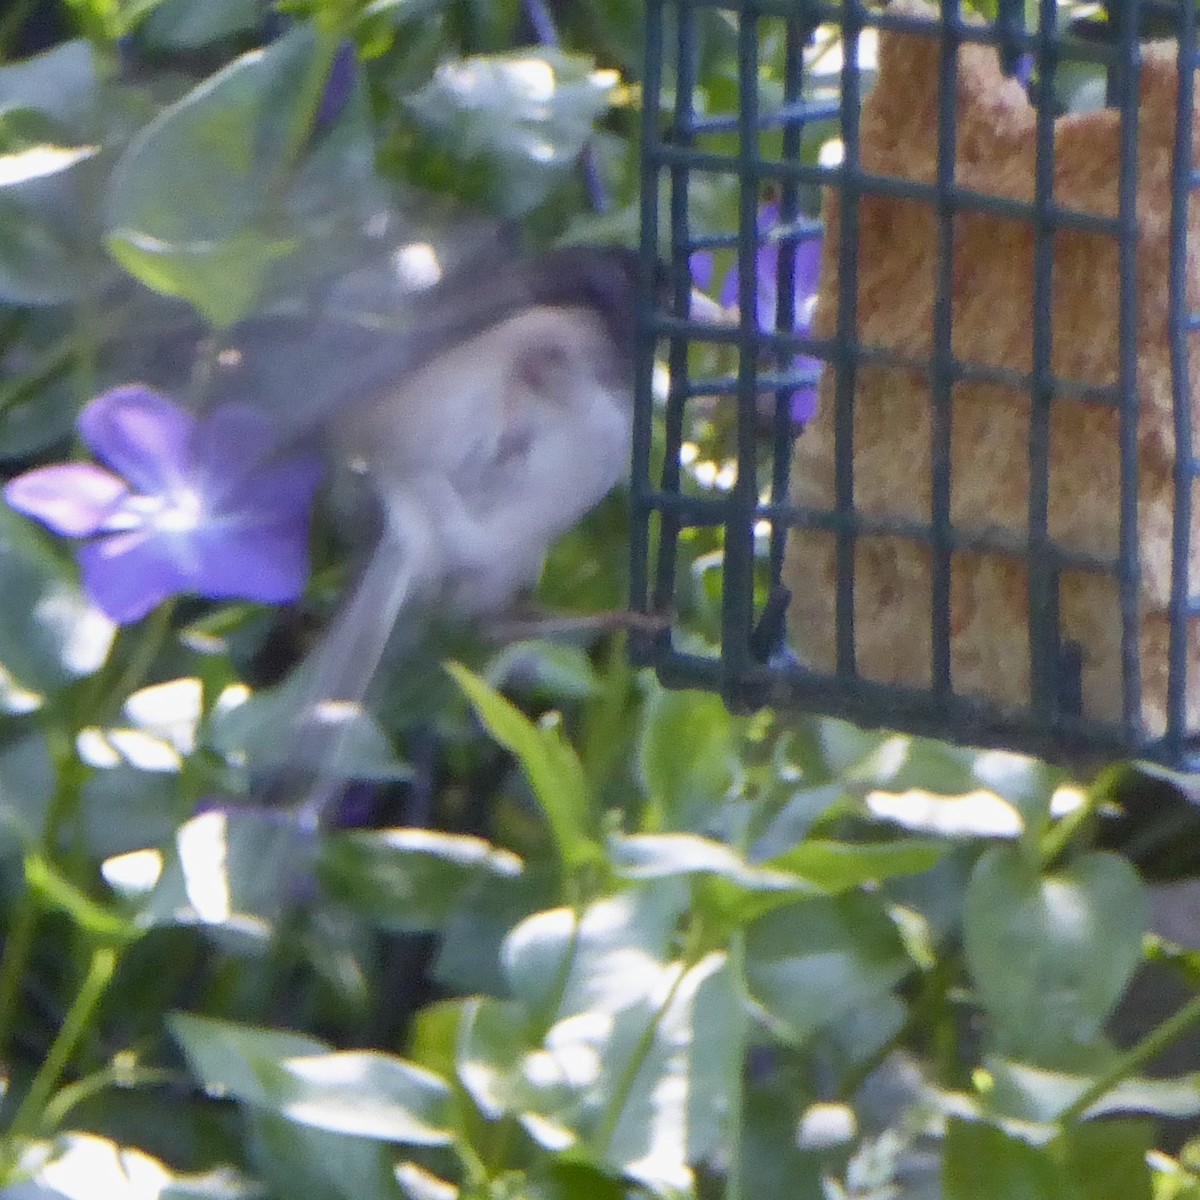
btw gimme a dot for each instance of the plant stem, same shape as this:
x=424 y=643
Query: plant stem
x=737 y=1101
x=17 y=945
x=112 y=1075
x=1135 y=1057
x=75 y=1023
x=134 y=654
x=1055 y=840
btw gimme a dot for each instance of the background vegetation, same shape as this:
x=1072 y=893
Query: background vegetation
x=575 y=936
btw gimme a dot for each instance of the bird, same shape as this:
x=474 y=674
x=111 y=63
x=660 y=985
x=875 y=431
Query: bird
x=485 y=413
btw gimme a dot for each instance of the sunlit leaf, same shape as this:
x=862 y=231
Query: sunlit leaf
x=840 y=866
x=664 y=855
x=636 y=1067
x=302 y=1160
x=553 y=770
x=1034 y=1094
x=363 y=1093
x=1051 y=954
x=687 y=756
x=232 y=872
x=488 y=1054
x=410 y=879
x=822 y=957
x=78 y=1165
x=526 y=115
x=223 y=183
x=1094 y=1161
x=49 y=237
x=49 y=633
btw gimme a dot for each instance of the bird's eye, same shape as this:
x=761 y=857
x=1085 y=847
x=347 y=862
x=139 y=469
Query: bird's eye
x=544 y=370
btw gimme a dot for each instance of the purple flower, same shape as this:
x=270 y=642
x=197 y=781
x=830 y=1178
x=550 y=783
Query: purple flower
x=766 y=273
x=342 y=73
x=203 y=505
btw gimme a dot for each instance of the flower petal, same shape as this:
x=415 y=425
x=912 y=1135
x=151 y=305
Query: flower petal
x=804 y=398
x=278 y=494
x=729 y=289
x=804 y=404
x=262 y=563
x=128 y=574
x=235 y=465
x=233 y=438
x=338 y=85
x=73 y=499
x=140 y=434
x=808 y=271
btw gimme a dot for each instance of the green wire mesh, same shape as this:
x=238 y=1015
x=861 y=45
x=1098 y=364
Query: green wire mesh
x=762 y=147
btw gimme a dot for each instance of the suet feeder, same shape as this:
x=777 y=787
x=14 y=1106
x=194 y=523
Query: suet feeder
x=986 y=531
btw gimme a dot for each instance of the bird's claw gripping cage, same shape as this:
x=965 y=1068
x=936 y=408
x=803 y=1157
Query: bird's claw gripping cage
x=987 y=530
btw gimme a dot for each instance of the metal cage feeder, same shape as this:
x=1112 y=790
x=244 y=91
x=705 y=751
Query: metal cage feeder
x=986 y=530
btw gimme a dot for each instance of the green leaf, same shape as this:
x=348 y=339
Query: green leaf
x=410 y=879
x=191 y=24
x=435 y=1035
x=223 y=278
x=126 y=809
x=791 y=825
x=61 y=82
x=551 y=766
x=83 y=1164
x=49 y=633
x=821 y=958
x=26 y=788
x=302 y=1161
x=362 y=1093
x=562 y=672
x=1030 y=1093
x=977 y=814
x=1026 y=783
x=348 y=743
x=38 y=400
x=676 y=1109
x=840 y=866
x=665 y=855
x=982 y=1160
x=726 y=888
x=554 y=960
x=1094 y=1161
x=637 y=1066
x=223 y=184
x=232 y=873
x=1051 y=955
x=526 y=114
x=49 y=175
x=772 y=1165
x=489 y=1052
x=469 y=958
x=558 y=1178
x=687 y=756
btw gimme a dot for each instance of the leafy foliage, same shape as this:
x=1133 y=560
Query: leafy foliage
x=573 y=936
